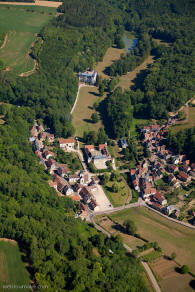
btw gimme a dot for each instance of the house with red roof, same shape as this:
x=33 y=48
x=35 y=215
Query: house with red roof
x=33 y=131
x=48 y=154
x=62 y=169
x=53 y=184
x=160 y=199
x=85 y=194
x=193 y=166
x=183 y=176
x=52 y=165
x=156 y=206
x=75 y=198
x=77 y=187
x=67 y=143
x=39 y=155
x=40 y=128
x=171 y=178
x=185 y=168
x=38 y=144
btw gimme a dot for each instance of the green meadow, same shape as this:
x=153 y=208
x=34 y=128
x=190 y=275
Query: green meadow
x=21 y=24
x=12 y=268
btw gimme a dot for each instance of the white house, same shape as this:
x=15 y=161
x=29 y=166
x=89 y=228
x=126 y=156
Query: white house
x=68 y=190
x=88 y=77
x=73 y=178
x=67 y=143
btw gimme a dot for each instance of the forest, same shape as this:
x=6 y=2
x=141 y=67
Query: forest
x=134 y=58
x=63 y=253
x=183 y=142
x=61 y=50
x=79 y=37
x=119 y=113
x=169 y=82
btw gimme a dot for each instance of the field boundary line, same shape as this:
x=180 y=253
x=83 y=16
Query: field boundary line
x=4 y=42
x=171 y=219
x=8 y=240
x=36 y=3
x=28 y=73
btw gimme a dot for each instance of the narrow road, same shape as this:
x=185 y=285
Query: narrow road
x=80 y=85
x=171 y=219
x=132 y=205
x=151 y=276
x=144 y=264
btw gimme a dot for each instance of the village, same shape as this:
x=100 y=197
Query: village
x=82 y=186
x=85 y=187
x=176 y=169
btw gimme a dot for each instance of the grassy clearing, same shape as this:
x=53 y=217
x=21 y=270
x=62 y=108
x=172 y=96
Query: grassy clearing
x=81 y=117
x=161 y=42
x=111 y=227
x=171 y=236
x=119 y=198
x=127 y=80
x=111 y=55
x=136 y=122
x=189 y=124
x=12 y=269
x=21 y=23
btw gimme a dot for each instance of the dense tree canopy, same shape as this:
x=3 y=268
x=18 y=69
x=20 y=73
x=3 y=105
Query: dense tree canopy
x=119 y=112
x=183 y=142
x=169 y=83
x=61 y=50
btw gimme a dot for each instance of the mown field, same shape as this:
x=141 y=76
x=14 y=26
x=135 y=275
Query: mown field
x=12 y=269
x=171 y=236
x=111 y=55
x=88 y=95
x=127 y=80
x=21 y=24
x=81 y=117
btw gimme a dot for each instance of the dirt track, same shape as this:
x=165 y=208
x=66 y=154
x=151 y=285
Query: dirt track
x=4 y=42
x=37 y=3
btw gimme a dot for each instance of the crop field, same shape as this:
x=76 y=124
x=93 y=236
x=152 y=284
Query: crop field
x=12 y=269
x=21 y=24
x=111 y=55
x=169 y=279
x=81 y=117
x=171 y=236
